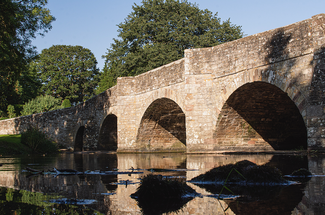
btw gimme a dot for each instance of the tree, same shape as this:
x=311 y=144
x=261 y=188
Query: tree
x=107 y=78
x=20 y=22
x=157 y=32
x=68 y=72
x=41 y=104
x=28 y=84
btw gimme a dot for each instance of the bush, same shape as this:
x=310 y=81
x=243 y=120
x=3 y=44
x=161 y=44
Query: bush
x=66 y=103
x=41 y=104
x=38 y=141
x=11 y=111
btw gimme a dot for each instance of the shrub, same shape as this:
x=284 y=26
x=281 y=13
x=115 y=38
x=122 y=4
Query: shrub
x=66 y=103
x=38 y=141
x=11 y=111
x=41 y=104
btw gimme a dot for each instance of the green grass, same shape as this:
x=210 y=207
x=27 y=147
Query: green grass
x=11 y=138
x=11 y=145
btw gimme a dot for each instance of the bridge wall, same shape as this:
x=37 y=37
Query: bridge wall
x=290 y=59
x=284 y=57
x=62 y=125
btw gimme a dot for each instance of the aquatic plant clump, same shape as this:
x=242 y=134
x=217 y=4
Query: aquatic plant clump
x=264 y=174
x=157 y=187
x=157 y=194
x=242 y=172
x=301 y=173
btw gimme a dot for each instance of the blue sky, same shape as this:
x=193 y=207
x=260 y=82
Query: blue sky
x=93 y=23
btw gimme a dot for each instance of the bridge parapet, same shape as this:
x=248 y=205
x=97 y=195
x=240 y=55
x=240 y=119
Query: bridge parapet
x=258 y=50
x=160 y=77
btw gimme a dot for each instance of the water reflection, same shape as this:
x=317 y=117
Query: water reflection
x=112 y=192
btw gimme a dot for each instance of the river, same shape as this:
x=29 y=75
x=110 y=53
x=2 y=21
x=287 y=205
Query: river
x=109 y=179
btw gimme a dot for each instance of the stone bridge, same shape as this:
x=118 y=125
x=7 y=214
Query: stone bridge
x=264 y=92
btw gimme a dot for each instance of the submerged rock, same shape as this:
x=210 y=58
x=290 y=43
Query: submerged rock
x=242 y=172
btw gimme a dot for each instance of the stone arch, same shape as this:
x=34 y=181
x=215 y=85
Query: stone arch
x=260 y=116
x=79 y=145
x=107 y=139
x=162 y=127
x=159 y=94
x=290 y=84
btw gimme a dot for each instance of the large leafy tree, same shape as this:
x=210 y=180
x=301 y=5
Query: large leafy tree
x=158 y=31
x=20 y=22
x=68 y=72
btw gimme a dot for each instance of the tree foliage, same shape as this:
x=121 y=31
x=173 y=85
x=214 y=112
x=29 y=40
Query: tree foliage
x=157 y=32
x=68 y=72
x=107 y=78
x=41 y=104
x=20 y=22
x=28 y=84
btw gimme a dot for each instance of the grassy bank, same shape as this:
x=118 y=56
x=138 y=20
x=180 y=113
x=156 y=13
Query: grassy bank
x=11 y=145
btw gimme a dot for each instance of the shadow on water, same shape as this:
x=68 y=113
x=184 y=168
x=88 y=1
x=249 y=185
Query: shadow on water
x=148 y=208
x=292 y=163
x=260 y=199
x=274 y=200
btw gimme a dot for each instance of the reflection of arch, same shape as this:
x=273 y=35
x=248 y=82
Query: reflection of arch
x=259 y=115
x=162 y=127
x=108 y=134
x=78 y=145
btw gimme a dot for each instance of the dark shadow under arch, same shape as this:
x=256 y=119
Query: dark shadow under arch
x=259 y=115
x=78 y=145
x=162 y=127
x=108 y=134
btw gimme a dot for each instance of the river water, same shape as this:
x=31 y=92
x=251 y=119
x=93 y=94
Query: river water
x=109 y=180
